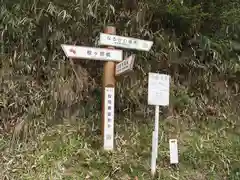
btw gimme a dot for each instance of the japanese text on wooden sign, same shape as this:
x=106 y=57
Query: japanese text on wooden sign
x=158 y=89
x=109 y=118
x=125 y=66
x=125 y=42
x=92 y=53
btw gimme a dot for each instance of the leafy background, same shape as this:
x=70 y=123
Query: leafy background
x=196 y=42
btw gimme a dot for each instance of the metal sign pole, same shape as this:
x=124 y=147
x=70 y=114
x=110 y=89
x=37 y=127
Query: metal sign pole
x=155 y=142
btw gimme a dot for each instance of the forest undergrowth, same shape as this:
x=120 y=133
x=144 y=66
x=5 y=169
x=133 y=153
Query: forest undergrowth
x=50 y=106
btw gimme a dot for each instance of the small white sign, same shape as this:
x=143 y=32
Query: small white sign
x=158 y=89
x=84 y=52
x=109 y=118
x=125 y=66
x=173 y=151
x=125 y=42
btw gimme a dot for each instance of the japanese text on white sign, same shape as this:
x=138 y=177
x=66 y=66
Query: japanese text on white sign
x=158 y=89
x=125 y=66
x=109 y=118
x=125 y=42
x=93 y=53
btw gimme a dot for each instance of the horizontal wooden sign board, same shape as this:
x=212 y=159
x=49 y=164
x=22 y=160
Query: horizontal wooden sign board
x=125 y=42
x=91 y=53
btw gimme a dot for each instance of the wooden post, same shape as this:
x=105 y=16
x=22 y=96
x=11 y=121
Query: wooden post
x=108 y=79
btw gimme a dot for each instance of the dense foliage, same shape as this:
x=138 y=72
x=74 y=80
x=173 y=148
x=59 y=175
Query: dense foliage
x=197 y=42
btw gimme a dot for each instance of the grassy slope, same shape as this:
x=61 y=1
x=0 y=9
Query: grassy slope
x=208 y=150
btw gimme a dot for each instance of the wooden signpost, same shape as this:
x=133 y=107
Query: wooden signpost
x=108 y=98
x=110 y=56
x=109 y=38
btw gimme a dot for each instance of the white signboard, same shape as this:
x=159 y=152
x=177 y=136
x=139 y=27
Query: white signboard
x=125 y=66
x=173 y=151
x=158 y=89
x=109 y=118
x=92 y=53
x=125 y=42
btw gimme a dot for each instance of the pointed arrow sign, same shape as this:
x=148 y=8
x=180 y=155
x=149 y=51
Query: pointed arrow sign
x=85 y=52
x=125 y=66
x=125 y=42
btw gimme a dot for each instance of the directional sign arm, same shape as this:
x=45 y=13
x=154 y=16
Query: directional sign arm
x=125 y=42
x=85 y=52
x=125 y=66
